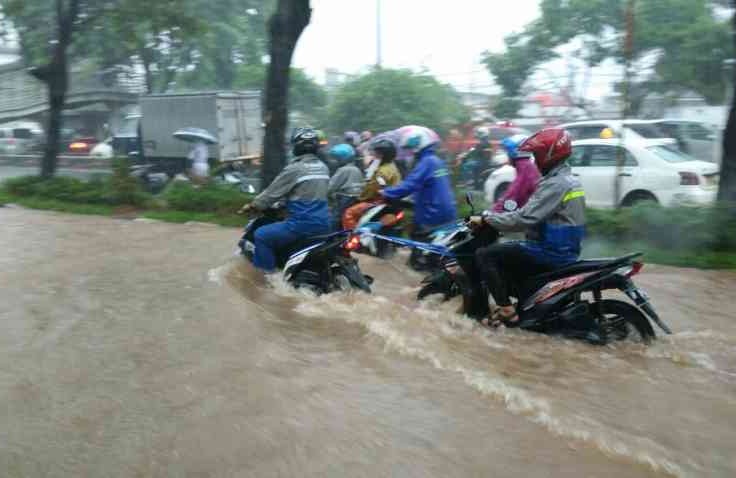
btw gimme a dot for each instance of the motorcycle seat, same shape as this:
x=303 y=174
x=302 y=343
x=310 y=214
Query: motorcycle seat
x=588 y=265
x=309 y=241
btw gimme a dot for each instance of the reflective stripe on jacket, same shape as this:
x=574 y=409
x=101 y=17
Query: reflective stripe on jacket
x=554 y=218
x=429 y=183
x=303 y=184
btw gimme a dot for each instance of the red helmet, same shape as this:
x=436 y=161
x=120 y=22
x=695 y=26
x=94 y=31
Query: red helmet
x=550 y=147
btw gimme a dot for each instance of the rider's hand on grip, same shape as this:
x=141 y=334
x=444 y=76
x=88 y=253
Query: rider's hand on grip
x=475 y=222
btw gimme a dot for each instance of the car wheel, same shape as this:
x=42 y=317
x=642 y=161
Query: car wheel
x=500 y=191
x=639 y=197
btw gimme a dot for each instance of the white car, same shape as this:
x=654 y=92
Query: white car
x=653 y=171
x=630 y=129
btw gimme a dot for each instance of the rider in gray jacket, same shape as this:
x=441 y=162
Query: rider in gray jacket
x=554 y=219
x=303 y=185
x=346 y=184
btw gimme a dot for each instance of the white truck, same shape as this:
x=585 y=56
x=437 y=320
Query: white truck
x=233 y=117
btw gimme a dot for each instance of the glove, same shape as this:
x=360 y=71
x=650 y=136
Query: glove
x=475 y=221
x=245 y=209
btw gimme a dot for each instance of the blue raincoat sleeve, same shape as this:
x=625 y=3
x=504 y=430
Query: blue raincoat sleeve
x=412 y=183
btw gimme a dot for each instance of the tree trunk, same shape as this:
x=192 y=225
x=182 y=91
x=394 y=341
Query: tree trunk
x=285 y=27
x=148 y=74
x=57 y=96
x=727 y=188
x=56 y=77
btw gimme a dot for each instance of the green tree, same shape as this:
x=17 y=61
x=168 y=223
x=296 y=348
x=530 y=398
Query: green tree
x=305 y=95
x=727 y=187
x=690 y=44
x=235 y=36
x=386 y=99
x=47 y=31
x=285 y=26
x=50 y=33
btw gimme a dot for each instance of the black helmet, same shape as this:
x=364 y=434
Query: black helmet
x=304 y=141
x=385 y=148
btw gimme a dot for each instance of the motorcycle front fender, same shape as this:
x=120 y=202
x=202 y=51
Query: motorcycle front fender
x=349 y=267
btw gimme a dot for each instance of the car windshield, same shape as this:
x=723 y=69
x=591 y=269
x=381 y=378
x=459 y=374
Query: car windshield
x=670 y=154
x=648 y=131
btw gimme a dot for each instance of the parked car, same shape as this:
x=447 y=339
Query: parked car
x=20 y=138
x=82 y=145
x=628 y=129
x=694 y=138
x=653 y=170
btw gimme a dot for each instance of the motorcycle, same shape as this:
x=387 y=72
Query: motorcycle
x=384 y=219
x=567 y=302
x=322 y=264
x=152 y=182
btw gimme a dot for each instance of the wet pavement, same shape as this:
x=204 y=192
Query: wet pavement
x=143 y=349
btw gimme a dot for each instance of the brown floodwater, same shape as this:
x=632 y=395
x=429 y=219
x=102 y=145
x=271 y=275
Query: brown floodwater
x=143 y=349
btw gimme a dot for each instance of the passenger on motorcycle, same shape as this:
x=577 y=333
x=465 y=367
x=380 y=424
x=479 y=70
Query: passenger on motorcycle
x=352 y=138
x=554 y=219
x=527 y=176
x=363 y=149
x=382 y=172
x=428 y=182
x=478 y=159
x=347 y=183
x=303 y=184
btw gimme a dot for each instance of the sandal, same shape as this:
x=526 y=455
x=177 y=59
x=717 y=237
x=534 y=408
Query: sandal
x=498 y=319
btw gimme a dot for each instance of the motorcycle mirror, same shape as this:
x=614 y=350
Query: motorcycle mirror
x=469 y=200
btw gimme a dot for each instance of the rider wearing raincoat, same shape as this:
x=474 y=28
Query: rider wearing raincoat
x=554 y=219
x=303 y=184
x=527 y=176
x=428 y=183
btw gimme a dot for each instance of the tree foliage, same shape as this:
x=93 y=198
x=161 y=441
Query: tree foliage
x=687 y=41
x=387 y=99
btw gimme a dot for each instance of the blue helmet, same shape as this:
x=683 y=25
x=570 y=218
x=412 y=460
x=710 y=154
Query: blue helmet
x=511 y=145
x=344 y=153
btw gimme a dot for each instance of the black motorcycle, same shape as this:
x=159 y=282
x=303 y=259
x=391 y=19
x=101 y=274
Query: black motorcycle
x=322 y=264
x=567 y=302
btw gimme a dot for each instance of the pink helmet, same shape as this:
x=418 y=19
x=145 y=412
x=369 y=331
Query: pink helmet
x=416 y=138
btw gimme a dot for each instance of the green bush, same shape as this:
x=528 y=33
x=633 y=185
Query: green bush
x=119 y=189
x=679 y=228
x=124 y=188
x=183 y=196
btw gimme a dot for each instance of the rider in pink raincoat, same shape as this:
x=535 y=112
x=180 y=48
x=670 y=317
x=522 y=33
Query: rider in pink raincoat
x=527 y=176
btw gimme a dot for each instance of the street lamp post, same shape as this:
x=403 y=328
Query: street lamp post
x=378 y=34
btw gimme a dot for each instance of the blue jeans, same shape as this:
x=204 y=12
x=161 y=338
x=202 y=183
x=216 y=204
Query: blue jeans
x=270 y=238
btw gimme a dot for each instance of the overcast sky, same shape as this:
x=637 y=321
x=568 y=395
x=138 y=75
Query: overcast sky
x=445 y=36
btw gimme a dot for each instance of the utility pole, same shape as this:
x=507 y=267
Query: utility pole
x=378 y=34
x=626 y=106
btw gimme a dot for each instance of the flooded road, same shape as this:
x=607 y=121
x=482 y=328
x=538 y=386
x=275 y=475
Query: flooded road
x=137 y=349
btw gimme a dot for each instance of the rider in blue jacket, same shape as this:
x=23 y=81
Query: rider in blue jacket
x=303 y=185
x=428 y=183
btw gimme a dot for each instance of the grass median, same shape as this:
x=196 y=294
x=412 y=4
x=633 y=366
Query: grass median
x=702 y=237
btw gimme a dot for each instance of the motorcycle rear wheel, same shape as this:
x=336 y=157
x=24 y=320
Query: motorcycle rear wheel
x=617 y=320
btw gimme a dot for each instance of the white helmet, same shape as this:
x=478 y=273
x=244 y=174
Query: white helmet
x=482 y=132
x=416 y=138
